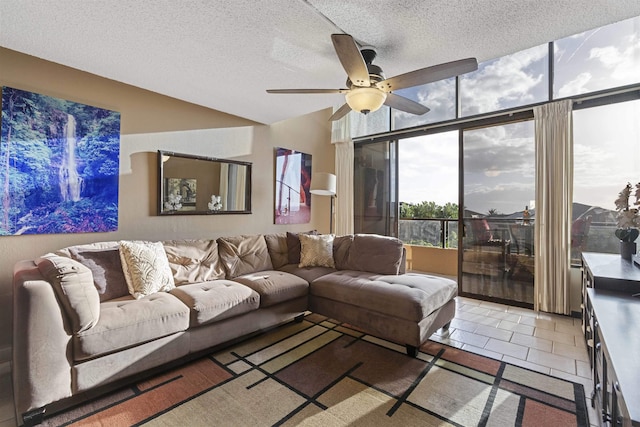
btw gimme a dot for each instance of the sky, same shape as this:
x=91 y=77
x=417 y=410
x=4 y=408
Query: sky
x=499 y=161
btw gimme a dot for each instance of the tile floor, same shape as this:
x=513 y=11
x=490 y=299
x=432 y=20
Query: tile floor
x=543 y=342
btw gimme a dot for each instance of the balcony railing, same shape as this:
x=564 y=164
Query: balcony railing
x=443 y=233
x=436 y=232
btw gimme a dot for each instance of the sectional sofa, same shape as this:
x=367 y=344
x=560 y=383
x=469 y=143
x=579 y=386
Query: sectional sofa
x=90 y=317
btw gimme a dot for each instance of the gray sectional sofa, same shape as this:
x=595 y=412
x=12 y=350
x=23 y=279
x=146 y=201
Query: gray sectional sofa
x=90 y=317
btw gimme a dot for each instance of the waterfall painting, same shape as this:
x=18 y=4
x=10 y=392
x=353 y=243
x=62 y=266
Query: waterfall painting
x=59 y=165
x=293 y=185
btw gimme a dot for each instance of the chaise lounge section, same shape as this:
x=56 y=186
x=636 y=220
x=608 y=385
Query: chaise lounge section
x=90 y=317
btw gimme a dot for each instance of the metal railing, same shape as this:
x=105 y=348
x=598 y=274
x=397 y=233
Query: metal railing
x=436 y=232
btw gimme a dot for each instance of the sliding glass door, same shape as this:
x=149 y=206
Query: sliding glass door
x=499 y=214
x=375 y=188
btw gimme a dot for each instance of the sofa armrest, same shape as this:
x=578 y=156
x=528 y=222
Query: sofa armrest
x=41 y=341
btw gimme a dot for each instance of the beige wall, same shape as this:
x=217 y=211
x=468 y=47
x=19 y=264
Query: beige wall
x=150 y=122
x=432 y=260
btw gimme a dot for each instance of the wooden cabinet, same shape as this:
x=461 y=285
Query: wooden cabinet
x=611 y=324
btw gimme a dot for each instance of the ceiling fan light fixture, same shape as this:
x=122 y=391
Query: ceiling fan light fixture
x=365 y=99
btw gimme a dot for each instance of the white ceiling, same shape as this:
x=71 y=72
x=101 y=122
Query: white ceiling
x=224 y=54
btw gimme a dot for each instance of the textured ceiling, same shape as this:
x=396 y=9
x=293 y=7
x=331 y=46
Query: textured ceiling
x=225 y=54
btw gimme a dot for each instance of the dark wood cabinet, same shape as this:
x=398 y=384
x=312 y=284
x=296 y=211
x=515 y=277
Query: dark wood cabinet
x=611 y=324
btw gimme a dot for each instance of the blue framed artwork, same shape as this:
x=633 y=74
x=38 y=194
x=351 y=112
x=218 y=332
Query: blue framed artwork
x=59 y=165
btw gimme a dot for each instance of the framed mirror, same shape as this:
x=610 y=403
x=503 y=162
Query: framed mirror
x=195 y=185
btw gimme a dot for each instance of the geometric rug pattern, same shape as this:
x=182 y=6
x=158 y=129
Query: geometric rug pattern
x=323 y=373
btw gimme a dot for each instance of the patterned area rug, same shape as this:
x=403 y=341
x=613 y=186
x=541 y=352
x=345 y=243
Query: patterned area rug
x=322 y=373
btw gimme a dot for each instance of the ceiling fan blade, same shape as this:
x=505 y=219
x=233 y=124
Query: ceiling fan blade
x=404 y=104
x=340 y=113
x=429 y=74
x=351 y=59
x=307 y=90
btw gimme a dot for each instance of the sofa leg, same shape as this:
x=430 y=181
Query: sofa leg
x=33 y=417
x=412 y=351
x=299 y=318
x=446 y=327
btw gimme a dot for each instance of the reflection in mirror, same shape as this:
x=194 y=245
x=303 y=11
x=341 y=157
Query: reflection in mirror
x=191 y=185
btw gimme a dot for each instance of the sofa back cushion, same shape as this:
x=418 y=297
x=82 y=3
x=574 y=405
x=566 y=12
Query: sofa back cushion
x=244 y=254
x=193 y=261
x=341 y=245
x=73 y=284
x=277 y=246
x=375 y=254
x=106 y=267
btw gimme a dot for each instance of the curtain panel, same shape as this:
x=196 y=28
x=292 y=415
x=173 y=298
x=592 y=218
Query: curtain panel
x=341 y=139
x=554 y=197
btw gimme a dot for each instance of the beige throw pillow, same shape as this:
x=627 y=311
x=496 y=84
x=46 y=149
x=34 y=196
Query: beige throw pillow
x=316 y=251
x=146 y=268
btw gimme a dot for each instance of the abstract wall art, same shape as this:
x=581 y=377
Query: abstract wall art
x=59 y=165
x=293 y=185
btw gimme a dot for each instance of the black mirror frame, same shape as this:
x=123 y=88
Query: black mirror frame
x=160 y=205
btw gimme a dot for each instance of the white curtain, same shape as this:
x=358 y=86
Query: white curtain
x=554 y=197
x=341 y=139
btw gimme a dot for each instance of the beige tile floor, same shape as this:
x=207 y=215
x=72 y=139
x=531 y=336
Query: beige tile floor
x=543 y=342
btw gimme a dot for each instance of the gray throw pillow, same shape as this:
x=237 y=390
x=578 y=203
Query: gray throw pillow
x=106 y=266
x=293 y=246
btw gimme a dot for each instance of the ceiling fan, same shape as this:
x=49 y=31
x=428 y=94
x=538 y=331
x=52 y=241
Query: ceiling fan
x=368 y=89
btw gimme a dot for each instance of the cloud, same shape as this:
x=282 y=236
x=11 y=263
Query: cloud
x=621 y=61
x=429 y=168
x=576 y=86
x=505 y=82
x=438 y=96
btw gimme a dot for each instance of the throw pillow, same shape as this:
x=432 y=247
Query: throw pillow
x=341 y=245
x=106 y=266
x=316 y=251
x=73 y=285
x=146 y=268
x=293 y=246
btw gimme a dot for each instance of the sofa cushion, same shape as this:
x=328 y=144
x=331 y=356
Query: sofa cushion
x=277 y=245
x=193 y=261
x=316 y=251
x=375 y=254
x=244 y=254
x=409 y=296
x=126 y=322
x=73 y=284
x=307 y=273
x=146 y=268
x=275 y=286
x=216 y=300
x=106 y=267
x=341 y=245
x=293 y=246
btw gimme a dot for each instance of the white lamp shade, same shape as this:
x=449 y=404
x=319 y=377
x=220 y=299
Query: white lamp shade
x=323 y=184
x=365 y=99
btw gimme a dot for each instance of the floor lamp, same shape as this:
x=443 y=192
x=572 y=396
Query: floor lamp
x=324 y=184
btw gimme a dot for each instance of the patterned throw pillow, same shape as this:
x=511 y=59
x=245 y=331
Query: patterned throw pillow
x=146 y=268
x=316 y=251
